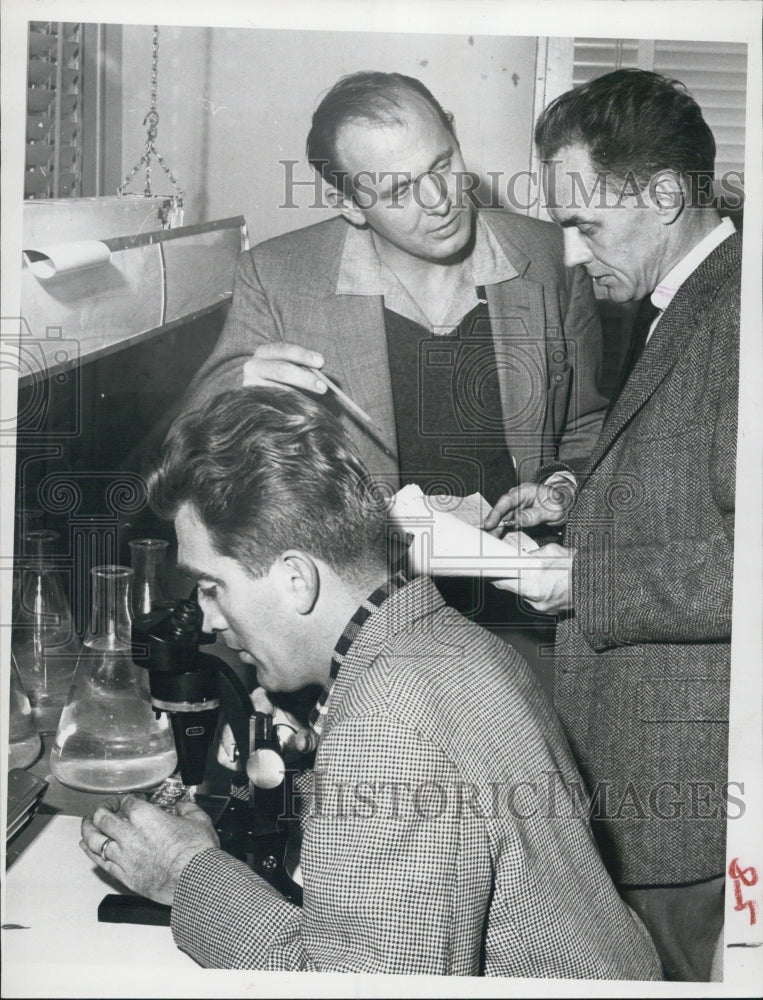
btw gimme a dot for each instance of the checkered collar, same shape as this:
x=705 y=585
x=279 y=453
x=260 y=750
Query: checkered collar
x=369 y=607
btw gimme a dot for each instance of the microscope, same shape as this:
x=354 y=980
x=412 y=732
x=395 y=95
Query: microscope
x=186 y=684
x=197 y=691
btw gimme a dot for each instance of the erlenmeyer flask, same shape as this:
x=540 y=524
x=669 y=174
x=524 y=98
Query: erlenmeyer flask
x=24 y=742
x=109 y=738
x=149 y=585
x=28 y=519
x=44 y=642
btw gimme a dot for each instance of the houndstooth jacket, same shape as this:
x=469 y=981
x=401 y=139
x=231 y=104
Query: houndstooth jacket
x=447 y=830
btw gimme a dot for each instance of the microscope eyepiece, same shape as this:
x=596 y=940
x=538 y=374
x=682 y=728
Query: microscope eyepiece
x=185 y=622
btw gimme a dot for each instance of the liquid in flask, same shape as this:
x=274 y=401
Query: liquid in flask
x=109 y=738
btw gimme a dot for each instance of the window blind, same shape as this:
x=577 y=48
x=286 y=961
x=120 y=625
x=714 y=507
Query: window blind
x=54 y=111
x=592 y=57
x=715 y=73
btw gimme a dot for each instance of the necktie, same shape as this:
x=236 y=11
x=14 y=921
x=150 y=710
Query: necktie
x=645 y=316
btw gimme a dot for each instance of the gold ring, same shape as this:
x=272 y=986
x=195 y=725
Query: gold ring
x=104 y=845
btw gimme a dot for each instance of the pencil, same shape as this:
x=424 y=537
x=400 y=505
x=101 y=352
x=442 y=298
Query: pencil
x=358 y=412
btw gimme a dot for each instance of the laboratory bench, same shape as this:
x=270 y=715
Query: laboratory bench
x=52 y=892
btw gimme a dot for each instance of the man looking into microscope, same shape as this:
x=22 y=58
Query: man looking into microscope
x=430 y=844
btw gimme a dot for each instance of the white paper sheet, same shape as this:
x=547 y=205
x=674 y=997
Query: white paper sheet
x=447 y=539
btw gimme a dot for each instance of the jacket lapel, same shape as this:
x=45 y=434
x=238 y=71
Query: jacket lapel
x=518 y=322
x=670 y=341
x=354 y=326
x=656 y=362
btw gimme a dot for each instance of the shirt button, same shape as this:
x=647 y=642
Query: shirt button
x=558 y=378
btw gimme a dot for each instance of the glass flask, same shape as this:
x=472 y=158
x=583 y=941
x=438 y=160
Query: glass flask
x=24 y=743
x=28 y=520
x=44 y=641
x=149 y=586
x=109 y=738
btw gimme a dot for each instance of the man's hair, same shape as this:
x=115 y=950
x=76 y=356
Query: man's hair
x=631 y=122
x=368 y=97
x=267 y=470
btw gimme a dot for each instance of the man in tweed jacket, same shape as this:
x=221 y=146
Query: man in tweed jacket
x=447 y=828
x=643 y=650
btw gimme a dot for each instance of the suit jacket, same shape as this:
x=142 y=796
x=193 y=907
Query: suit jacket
x=445 y=833
x=545 y=328
x=642 y=670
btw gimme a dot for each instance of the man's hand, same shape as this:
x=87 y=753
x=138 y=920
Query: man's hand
x=547 y=589
x=285 y=364
x=145 y=847
x=531 y=504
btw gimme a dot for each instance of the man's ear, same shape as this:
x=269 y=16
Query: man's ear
x=344 y=204
x=300 y=579
x=667 y=195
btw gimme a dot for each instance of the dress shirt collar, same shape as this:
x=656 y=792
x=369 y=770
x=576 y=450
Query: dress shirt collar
x=362 y=272
x=664 y=293
x=369 y=607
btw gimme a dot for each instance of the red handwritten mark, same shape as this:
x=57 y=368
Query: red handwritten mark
x=746 y=876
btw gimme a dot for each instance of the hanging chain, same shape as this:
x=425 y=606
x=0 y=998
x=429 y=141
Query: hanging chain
x=152 y=121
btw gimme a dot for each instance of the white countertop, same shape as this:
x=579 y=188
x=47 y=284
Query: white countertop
x=53 y=891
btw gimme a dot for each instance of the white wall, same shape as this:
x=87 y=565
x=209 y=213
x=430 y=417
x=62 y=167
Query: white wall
x=234 y=102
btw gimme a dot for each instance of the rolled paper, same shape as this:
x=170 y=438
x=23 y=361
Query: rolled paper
x=47 y=262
